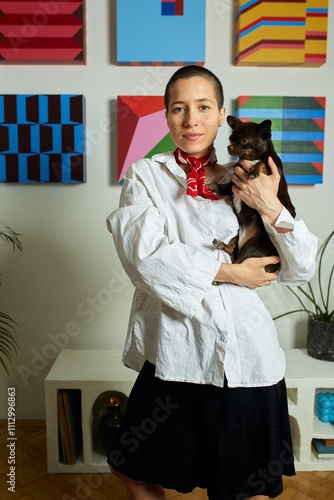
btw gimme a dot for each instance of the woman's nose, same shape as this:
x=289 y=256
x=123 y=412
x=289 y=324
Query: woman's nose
x=190 y=119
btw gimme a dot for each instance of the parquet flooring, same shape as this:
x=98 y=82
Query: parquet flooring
x=33 y=482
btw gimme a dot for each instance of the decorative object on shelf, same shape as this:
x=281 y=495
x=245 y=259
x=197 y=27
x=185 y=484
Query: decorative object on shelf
x=42 y=138
x=298 y=125
x=320 y=335
x=8 y=343
x=69 y=422
x=110 y=422
x=325 y=406
x=142 y=130
x=146 y=32
x=42 y=32
x=289 y=33
x=322 y=451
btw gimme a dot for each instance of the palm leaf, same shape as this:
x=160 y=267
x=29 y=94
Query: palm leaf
x=7 y=234
x=8 y=343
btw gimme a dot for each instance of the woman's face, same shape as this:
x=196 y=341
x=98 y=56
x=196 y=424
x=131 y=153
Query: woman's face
x=193 y=116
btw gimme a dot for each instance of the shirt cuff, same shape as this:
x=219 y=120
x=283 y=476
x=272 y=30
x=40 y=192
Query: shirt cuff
x=284 y=221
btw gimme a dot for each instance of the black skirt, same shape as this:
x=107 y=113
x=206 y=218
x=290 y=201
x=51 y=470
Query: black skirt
x=234 y=442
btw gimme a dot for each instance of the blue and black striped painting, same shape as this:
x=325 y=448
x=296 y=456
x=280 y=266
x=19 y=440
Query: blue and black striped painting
x=42 y=138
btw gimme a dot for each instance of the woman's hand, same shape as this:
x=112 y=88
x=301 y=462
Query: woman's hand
x=260 y=193
x=250 y=273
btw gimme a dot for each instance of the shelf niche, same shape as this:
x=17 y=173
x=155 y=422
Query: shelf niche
x=295 y=432
x=98 y=410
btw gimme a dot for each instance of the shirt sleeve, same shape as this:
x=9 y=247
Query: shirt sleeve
x=176 y=274
x=297 y=249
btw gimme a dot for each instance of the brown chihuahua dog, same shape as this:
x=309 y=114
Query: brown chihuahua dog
x=252 y=141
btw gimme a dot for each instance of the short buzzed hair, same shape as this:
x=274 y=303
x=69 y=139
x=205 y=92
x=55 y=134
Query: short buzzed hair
x=191 y=71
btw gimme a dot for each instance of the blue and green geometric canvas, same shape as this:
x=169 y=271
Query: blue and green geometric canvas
x=298 y=132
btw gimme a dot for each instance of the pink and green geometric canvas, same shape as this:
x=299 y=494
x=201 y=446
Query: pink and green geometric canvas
x=298 y=132
x=141 y=130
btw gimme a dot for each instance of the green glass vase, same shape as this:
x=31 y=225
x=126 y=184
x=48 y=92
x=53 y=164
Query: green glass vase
x=110 y=422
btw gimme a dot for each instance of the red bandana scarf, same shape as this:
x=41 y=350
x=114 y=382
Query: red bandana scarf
x=196 y=176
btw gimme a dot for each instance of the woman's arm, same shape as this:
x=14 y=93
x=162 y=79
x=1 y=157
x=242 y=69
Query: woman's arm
x=295 y=244
x=250 y=273
x=157 y=263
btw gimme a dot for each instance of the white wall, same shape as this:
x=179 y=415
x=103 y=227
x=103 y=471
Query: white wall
x=58 y=283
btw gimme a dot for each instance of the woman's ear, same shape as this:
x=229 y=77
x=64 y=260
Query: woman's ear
x=222 y=113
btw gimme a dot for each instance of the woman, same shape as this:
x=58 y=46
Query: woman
x=209 y=406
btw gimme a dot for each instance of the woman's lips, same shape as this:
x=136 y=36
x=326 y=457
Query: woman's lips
x=192 y=137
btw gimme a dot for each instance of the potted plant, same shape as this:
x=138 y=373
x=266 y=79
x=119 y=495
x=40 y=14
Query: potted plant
x=315 y=302
x=8 y=343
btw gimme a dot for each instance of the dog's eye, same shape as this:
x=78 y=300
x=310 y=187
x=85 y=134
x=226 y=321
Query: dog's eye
x=243 y=141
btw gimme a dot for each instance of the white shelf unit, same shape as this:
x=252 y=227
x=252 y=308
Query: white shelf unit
x=305 y=376
x=96 y=373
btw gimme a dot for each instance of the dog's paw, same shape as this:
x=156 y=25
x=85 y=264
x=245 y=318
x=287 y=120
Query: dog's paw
x=254 y=172
x=219 y=244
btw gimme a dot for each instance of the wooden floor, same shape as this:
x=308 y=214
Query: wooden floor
x=33 y=482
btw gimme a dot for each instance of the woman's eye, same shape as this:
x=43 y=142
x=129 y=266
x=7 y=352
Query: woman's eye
x=178 y=109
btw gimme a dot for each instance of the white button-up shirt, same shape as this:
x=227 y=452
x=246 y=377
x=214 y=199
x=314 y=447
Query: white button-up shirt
x=189 y=329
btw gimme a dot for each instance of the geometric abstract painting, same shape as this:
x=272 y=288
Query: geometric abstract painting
x=42 y=138
x=150 y=32
x=142 y=130
x=42 y=32
x=281 y=33
x=172 y=7
x=298 y=132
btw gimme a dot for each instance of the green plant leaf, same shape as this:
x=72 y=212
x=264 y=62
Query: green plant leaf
x=329 y=287
x=319 y=268
x=313 y=299
x=4 y=365
x=8 y=343
x=321 y=306
x=7 y=234
x=5 y=351
x=289 y=312
x=298 y=298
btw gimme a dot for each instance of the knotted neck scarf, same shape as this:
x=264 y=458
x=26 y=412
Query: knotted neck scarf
x=196 y=176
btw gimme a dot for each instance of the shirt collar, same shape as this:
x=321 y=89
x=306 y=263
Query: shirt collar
x=168 y=159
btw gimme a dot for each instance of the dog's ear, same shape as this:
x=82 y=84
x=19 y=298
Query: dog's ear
x=233 y=121
x=265 y=129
